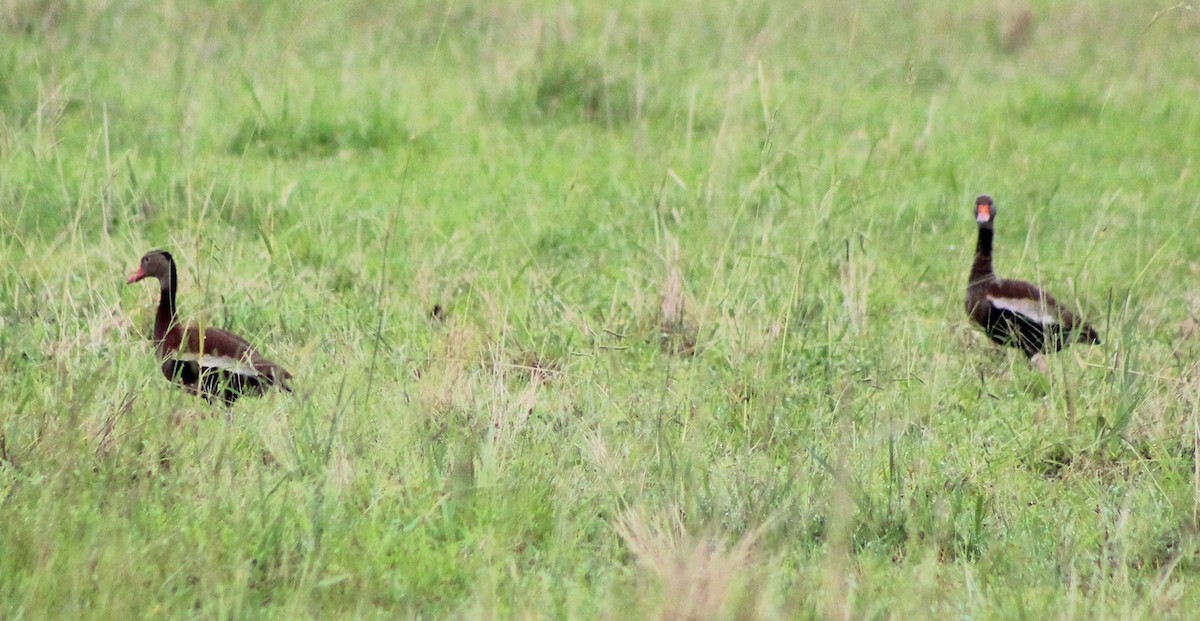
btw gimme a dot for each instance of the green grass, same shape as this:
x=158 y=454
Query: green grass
x=704 y=353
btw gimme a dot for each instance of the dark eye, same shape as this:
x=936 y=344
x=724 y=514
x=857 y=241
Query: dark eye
x=145 y=260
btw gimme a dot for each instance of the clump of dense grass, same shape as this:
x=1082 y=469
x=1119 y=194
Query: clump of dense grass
x=652 y=311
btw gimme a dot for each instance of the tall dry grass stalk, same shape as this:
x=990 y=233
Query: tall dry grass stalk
x=678 y=333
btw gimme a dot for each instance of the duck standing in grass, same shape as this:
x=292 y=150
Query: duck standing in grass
x=1014 y=312
x=210 y=362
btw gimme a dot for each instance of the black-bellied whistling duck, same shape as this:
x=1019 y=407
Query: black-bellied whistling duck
x=1014 y=312
x=213 y=363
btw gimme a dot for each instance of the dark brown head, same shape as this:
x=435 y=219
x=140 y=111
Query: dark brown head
x=156 y=263
x=985 y=211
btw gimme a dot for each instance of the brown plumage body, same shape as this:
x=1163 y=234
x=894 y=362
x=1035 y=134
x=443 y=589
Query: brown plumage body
x=1016 y=313
x=211 y=362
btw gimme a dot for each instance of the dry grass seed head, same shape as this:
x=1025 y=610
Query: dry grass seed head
x=700 y=576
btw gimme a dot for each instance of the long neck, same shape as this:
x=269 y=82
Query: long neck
x=981 y=269
x=165 y=317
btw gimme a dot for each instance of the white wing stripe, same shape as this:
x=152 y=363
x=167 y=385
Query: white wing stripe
x=209 y=361
x=1034 y=310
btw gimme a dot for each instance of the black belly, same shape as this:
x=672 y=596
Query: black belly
x=212 y=383
x=1015 y=330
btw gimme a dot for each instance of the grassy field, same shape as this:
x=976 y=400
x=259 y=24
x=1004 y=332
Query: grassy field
x=701 y=352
